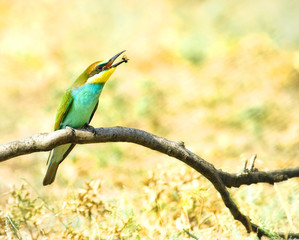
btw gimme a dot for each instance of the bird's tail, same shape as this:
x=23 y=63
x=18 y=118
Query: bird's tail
x=51 y=173
x=58 y=155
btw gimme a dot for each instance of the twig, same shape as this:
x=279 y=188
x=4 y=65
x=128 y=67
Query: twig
x=271 y=177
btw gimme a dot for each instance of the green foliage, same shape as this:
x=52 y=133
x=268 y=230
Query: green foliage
x=24 y=213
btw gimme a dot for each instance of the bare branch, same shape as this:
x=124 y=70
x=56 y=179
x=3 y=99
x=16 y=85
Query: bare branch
x=46 y=142
x=248 y=178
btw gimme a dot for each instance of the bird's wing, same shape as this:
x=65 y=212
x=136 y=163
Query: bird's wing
x=63 y=108
x=62 y=111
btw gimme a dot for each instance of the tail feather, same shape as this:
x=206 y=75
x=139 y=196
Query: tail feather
x=51 y=173
x=58 y=155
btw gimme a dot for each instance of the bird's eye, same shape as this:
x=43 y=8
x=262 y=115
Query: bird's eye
x=100 y=66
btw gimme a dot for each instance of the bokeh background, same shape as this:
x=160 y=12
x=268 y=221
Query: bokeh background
x=222 y=76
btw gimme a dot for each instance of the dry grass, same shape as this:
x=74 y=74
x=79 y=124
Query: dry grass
x=171 y=203
x=175 y=203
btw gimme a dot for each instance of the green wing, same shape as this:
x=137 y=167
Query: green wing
x=63 y=108
x=62 y=111
x=67 y=98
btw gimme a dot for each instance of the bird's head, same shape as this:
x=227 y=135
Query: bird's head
x=100 y=71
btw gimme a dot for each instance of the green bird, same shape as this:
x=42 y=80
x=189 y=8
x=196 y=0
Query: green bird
x=78 y=106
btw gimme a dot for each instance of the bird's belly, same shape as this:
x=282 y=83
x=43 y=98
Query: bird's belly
x=84 y=102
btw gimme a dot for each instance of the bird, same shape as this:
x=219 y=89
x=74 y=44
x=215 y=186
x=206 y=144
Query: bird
x=78 y=106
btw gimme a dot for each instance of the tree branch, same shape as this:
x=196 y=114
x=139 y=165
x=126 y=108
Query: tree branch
x=219 y=179
x=248 y=178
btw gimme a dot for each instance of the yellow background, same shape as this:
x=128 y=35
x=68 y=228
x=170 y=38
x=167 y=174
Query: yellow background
x=222 y=76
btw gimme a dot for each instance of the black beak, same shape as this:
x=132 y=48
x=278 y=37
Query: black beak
x=111 y=61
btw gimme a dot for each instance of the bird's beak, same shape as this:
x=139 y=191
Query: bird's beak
x=111 y=61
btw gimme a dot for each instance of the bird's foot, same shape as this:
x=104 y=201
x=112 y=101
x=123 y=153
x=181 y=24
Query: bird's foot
x=90 y=129
x=72 y=130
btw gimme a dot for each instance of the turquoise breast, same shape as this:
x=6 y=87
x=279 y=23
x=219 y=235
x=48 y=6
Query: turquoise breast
x=85 y=99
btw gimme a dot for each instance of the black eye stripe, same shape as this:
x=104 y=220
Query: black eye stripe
x=97 y=69
x=100 y=66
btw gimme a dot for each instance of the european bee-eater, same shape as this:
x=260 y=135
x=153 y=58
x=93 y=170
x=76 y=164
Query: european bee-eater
x=78 y=106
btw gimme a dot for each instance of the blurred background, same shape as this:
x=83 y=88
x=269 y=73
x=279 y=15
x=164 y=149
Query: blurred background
x=222 y=76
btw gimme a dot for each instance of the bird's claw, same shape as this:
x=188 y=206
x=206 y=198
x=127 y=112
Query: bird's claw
x=71 y=129
x=90 y=129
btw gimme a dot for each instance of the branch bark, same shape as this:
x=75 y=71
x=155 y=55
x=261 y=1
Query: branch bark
x=248 y=178
x=219 y=179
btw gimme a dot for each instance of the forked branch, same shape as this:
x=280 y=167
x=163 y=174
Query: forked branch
x=219 y=179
